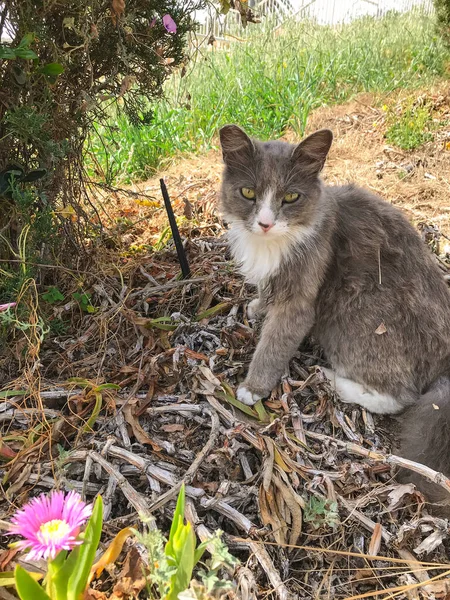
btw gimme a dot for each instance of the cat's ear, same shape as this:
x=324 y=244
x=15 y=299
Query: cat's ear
x=312 y=151
x=235 y=142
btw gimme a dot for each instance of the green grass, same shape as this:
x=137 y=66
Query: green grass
x=412 y=128
x=271 y=83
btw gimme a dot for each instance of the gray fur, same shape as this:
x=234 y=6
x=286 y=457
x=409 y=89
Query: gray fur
x=363 y=265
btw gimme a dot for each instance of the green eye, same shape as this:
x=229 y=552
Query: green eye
x=248 y=193
x=290 y=197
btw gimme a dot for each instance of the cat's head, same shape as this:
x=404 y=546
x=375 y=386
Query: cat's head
x=271 y=189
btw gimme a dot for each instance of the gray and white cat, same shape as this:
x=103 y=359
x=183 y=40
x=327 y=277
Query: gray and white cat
x=338 y=262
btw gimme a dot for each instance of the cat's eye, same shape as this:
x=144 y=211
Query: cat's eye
x=248 y=193
x=291 y=197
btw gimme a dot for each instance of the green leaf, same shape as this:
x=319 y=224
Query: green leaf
x=263 y=415
x=72 y=576
x=52 y=69
x=214 y=310
x=7 y=53
x=7 y=579
x=200 y=551
x=240 y=405
x=12 y=393
x=26 y=40
x=53 y=295
x=78 y=580
x=84 y=383
x=34 y=175
x=225 y=6
x=19 y=74
x=164 y=323
x=25 y=53
x=27 y=587
x=88 y=427
x=107 y=386
x=183 y=575
x=178 y=518
x=54 y=566
x=60 y=578
x=8 y=176
x=84 y=300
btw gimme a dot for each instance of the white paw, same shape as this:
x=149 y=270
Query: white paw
x=253 y=308
x=246 y=396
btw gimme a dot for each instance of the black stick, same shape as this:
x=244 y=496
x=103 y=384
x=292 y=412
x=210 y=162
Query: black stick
x=175 y=233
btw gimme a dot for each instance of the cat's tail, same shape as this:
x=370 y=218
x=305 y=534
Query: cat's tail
x=425 y=438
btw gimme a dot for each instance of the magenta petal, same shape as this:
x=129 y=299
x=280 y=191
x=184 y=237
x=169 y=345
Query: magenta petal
x=12 y=304
x=152 y=22
x=169 y=24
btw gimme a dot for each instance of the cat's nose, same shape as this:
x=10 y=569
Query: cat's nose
x=265 y=226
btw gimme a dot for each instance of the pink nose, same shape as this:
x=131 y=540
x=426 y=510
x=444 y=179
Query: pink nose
x=265 y=226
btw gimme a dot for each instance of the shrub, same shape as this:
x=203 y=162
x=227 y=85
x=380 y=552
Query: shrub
x=442 y=8
x=61 y=66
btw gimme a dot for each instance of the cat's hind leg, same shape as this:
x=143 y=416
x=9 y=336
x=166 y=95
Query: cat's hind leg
x=354 y=393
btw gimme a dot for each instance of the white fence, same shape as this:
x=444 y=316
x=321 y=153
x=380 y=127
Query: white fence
x=323 y=12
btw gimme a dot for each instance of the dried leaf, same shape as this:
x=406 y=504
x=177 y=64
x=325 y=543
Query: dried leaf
x=126 y=84
x=111 y=553
x=293 y=502
x=280 y=462
x=6 y=453
x=171 y=427
x=364 y=575
x=431 y=542
x=206 y=372
x=117 y=10
x=167 y=61
x=6 y=557
x=127 y=369
x=138 y=432
x=381 y=329
x=396 y=496
x=375 y=540
x=188 y=212
x=91 y=594
x=270 y=517
x=196 y=355
x=268 y=464
x=440 y=590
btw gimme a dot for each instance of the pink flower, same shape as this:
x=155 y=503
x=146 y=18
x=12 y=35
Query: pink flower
x=50 y=524
x=152 y=22
x=169 y=24
x=6 y=306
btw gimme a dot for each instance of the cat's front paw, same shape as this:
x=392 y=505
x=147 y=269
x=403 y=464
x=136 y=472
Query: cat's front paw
x=246 y=396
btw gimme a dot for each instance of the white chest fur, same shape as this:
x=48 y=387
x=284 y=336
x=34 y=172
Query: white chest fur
x=260 y=256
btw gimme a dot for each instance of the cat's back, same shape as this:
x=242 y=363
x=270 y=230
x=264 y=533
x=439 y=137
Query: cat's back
x=385 y=290
x=375 y=238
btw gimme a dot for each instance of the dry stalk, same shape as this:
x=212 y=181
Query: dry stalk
x=266 y=563
x=365 y=521
x=390 y=459
x=136 y=499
